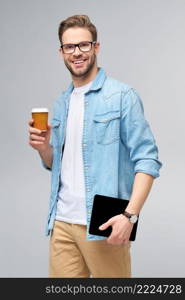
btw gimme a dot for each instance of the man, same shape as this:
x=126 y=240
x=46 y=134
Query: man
x=100 y=144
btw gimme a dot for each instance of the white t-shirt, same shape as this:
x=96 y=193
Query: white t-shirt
x=71 y=206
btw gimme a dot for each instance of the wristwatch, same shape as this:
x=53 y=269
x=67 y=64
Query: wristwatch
x=132 y=218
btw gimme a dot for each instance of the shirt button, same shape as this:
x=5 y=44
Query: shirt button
x=84 y=145
x=88 y=190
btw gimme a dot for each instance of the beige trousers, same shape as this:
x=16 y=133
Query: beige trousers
x=73 y=256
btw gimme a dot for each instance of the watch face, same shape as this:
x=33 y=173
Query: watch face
x=133 y=219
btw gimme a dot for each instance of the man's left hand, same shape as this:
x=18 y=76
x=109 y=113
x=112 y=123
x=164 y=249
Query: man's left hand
x=121 y=230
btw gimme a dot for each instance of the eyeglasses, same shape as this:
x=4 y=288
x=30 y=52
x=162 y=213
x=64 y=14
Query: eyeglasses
x=83 y=47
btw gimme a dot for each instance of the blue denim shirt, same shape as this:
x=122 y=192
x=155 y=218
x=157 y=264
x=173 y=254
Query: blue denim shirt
x=117 y=142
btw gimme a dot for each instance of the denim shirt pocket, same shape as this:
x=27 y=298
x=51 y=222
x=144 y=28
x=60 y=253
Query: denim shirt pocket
x=107 y=127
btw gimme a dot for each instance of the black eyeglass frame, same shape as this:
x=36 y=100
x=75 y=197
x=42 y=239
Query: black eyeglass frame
x=78 y=45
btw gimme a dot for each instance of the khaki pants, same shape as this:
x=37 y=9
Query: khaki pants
x=73 y=256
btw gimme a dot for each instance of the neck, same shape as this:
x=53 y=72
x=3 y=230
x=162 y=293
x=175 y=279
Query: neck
x=80 y=81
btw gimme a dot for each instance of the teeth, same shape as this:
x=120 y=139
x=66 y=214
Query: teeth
x=78 y=62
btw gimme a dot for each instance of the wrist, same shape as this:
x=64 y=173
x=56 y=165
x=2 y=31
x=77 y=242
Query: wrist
x=131 y=217
x=44 y=149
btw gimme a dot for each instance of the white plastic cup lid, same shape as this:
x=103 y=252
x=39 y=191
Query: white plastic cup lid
x=39 y=109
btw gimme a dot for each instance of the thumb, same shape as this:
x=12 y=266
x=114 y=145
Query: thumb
x=48 y=132
x=105 y=225
x=49 y=126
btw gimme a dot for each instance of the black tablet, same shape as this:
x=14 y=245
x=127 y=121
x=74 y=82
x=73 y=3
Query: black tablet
x=104 y=208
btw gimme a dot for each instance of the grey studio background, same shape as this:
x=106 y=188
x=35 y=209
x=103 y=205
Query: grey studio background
x=142 y=44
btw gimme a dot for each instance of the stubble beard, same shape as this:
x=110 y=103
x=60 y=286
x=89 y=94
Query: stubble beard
x=85 y=72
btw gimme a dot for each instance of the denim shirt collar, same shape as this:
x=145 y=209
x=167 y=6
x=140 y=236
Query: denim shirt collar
x=96 y=85
x=98 y=81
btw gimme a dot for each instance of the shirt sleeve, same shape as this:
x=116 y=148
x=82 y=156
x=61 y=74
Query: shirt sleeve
x=137 y=135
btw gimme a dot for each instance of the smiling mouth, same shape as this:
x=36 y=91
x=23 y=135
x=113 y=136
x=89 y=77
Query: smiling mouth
x=79 y=61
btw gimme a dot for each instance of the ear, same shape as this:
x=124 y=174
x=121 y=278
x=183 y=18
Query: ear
x=61 y=54
x=97 y=47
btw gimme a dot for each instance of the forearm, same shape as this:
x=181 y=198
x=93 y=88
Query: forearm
x=141 y=188
x=47 y=156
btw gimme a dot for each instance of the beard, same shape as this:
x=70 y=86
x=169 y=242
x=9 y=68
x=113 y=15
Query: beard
x=82 y=73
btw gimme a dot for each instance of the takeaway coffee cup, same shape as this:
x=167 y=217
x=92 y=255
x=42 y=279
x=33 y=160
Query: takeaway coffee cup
x=40 y=118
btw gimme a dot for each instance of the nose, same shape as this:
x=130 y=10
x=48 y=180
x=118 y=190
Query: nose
x=77 y=51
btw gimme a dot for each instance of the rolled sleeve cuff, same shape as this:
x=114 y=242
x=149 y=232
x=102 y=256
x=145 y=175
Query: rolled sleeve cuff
x=148 y=166
x=45 y=166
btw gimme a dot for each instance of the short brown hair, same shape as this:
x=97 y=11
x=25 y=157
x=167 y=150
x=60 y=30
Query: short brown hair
x=77 y=21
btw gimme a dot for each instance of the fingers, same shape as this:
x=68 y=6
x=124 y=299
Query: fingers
x=107 y=224
x=32 y=143
x=117 y=241
x=104 y=226
x=49 y=126
x=34 y=137
x=31 y=122
x=126 y=243
x=36 y=130
x=118 y=236
x=33 y=130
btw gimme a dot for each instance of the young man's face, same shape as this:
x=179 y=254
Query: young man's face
x=79 y=63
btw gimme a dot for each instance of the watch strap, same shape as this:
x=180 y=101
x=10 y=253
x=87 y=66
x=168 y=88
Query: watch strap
x=128 y=215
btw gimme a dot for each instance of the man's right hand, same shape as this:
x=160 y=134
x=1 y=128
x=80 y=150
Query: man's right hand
x=37 y=139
